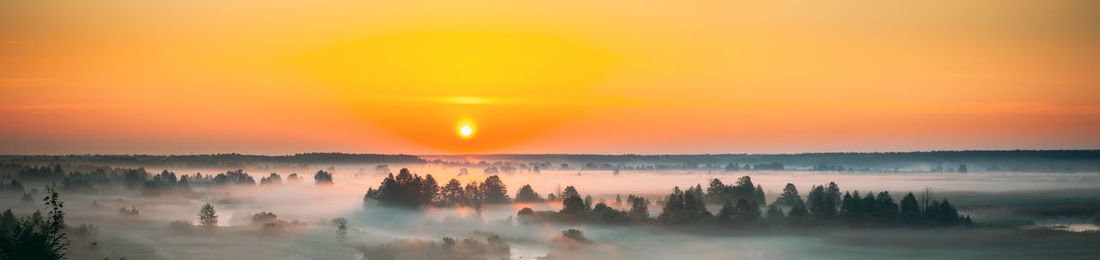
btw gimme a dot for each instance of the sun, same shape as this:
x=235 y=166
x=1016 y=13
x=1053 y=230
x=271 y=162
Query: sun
x=465 y=131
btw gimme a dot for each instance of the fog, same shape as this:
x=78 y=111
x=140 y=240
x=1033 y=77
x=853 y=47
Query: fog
x=1010 y=204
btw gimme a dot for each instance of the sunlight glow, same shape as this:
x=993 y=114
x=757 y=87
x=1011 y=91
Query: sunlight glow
x=465 y=131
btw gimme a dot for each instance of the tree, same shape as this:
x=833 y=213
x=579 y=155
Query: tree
x=452 y=193
x=573 y=207
x=639 y=207
x=868 y=207
x=885 y=208
x=341 y=226
x=758 y=195
x=428 y=189
x=747 y=211
x=947 y=214
x=789 y=197
x=926 y=198
x=407 y=190
x=601 y=213
x=849 y=207
x=588 y=202
x=727 y=213
x=910 y=210
x=798 y=215
x=495 y=191
x=525 y=212
x=527 y=194
x=35 y=237
x=775 y=215
x=322 y=178
x=684 y=207
x=208 y=216
x=270 y=179
x=473 y=194
x=570 y=191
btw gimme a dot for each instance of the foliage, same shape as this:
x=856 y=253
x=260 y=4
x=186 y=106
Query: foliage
x=274 y=178
x=264 y=217
x=684 y=207
x=405 y=190
x=447 y=248
x=341 y=226
x=718 y=192
x=35 y=237
x=208 y=216
x=411 y=191
x=527 y=194
x=322 y=178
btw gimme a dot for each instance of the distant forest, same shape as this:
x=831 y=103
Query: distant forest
x=931 y=161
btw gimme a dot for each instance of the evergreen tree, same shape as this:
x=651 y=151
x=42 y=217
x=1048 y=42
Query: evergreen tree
x=910 y=210
x=727 y=213
x=570 y=191
x=208 y=216
x=747 y=211
x=639 y=207
x=885 y=208
x=775 y=215
x=789 y=197
x=494 y=190
x=573 y=208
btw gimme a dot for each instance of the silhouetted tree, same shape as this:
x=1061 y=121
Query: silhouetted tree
x=775 y=215
x=35 y=237
x=271 y=179
x=452 y=193
x=407 y=190
x=527 y=194
x=573 y=208
x=322 y=178
x=789 y=197
x=208 y=216
x=747 y=211
x=429 y=189
x=494 y=190
x=601 y=213
x=234 y=177
x=639 y=207
x=886 y=210
x=684 y=207
x=910 y=211
x=570 y=191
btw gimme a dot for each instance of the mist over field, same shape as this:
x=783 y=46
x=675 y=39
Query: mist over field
x=1015 y=214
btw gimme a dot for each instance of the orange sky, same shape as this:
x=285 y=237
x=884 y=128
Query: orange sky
x=277 y=77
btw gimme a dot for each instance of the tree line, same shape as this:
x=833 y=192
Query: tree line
x=135 y=178
x=743 y=205
x=410 y=190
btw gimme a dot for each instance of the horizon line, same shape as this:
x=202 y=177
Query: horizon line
x=553 y=154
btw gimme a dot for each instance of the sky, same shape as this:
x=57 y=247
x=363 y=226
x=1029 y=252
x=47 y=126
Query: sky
x=650 y=77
